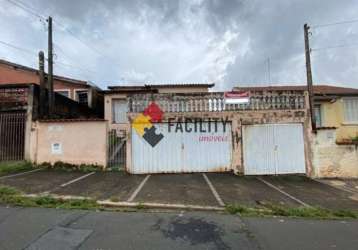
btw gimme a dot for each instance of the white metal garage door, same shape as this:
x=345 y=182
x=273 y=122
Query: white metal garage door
x=273 y=149
x=181 y=151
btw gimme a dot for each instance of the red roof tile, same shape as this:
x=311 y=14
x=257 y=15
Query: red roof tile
x=318 y=89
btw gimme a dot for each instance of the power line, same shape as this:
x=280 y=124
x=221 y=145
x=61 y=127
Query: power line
x=73 y=66
x=18 y=48
x=333 y=24
x=77 y=38
x=57 y=62
x=32 y=11
x=26 y=8
x=337 y=47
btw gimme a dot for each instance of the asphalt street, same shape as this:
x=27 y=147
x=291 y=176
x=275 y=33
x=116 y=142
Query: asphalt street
x=41 y=228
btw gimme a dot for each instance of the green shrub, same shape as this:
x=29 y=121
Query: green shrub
x=6 y=191
x=15 y=166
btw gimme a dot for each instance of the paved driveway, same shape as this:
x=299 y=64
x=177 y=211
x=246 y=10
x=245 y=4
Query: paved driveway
x=207 y=190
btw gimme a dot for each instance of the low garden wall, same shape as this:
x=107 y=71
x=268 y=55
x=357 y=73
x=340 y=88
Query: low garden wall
x=332 y=159
x=70 y=141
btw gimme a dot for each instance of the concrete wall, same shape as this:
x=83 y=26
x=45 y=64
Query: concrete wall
x=79 y=142
x=333 y=116
x=332 y=160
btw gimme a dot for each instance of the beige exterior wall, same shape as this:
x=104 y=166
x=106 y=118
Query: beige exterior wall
x=333 y=116
x=331 y=160
x=81 y=142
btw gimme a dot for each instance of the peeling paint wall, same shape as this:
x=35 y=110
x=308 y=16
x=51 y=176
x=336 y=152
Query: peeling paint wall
x=331 y=160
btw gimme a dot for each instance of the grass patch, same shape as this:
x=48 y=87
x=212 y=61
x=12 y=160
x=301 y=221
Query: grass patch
x=14 y=167
x=12 y=196
x=295 y=212
x=6 y=191
x=63 y=166
x=140 y=206
x=114 y=199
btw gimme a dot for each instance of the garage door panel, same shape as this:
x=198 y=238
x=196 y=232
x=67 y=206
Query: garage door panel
x=145 y=157
x=258 y=150
x=273 y=149
x=181 y=151
x=290 y=150
x=206 y=152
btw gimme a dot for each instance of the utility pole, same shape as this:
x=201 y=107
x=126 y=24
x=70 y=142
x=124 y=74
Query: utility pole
x=43 y=102
x=309 y=76
x=51 y=100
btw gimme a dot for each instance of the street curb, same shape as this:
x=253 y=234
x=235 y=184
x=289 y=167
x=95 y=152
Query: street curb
x=159 y=205
x=125 y=204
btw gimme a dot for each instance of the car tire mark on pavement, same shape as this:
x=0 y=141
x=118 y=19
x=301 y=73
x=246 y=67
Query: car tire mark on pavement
x=135 y=193
x=283 y=192
x=19 y=174
x=213 y=190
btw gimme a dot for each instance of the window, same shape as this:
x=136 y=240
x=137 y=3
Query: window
x=63 y=92
x=318 y=115
x=119 y=108
x=350 y=110
x=82 y=96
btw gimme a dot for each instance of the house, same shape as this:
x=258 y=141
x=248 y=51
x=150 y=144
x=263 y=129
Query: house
x=81 y=91
x=116 y=98
x=19 y=112
x=333 y=146
x=334 y=107
x=181 y=129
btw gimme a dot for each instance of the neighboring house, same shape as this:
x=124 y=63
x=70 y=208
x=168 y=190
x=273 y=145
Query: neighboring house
x=116 y=104
x=335 y=107
x=80 y=91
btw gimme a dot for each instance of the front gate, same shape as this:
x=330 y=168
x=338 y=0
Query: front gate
x=12 y=136
x=116 y=152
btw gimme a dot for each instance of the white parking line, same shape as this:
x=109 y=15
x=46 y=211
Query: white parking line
x=77 y=179
x=138 y=188
x=27 y=172
x=283 y=192
x=213 y=190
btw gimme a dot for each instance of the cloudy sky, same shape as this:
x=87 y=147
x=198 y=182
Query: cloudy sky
x=229 y=42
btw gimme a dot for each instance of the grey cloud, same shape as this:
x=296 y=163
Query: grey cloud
x=195 y=40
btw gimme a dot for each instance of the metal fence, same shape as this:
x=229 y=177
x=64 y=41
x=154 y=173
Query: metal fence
x=116 y=150
x=12 y=136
